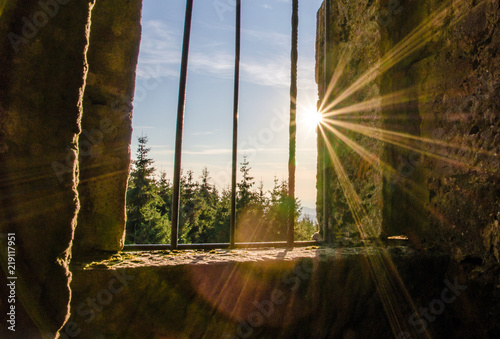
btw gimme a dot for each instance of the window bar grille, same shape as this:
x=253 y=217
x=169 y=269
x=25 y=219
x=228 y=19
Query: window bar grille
x=180 y=125
x=293 y=124
x=325 y=100
x=178 y=151
x=235 y=123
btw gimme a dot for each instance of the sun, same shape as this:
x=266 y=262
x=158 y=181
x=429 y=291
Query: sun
x=312 y=118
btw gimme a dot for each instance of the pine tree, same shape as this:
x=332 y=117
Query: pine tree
x=220 y=231
x=249 y=207
x=278 y=211
x=262 y=195
x=245 y=195
x=165 y=193
x=198 y=209
x=188 y=225
x=205 y=185
x=145 y=222
x=210 y=200
x=305 y=228
x=204 y=212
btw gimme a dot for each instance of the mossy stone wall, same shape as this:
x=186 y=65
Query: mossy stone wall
x=442 y=189
x=104 y=156
x=321 y=293
x=352 y=48
x=58 y=92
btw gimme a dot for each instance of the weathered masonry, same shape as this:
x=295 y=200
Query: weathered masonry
x=429 y=72
x=67 y=77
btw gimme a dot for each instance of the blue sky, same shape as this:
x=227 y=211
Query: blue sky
x=264 y=89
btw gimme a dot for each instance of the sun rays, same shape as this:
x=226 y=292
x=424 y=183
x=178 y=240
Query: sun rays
x=310 y=118
x=392 y=121
x=428 y=30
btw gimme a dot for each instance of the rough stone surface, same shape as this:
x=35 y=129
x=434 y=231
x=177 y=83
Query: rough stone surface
x=104 y=156
x=441 y=183
x=272 y=293
x=352 y=48
x=41 y=78
x=48 y=120
x=460 y=77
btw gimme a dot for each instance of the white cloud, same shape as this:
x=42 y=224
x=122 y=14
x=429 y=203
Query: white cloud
x=269 y=66
x=272 y=39
x=214 y=63
x=159 y=50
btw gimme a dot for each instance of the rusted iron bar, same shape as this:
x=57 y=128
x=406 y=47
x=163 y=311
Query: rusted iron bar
x=232 y=226
x=293 y=124
x=180 y=125
x=325 y=100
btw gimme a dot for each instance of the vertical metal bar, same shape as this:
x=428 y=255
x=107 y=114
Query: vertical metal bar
x=235 y=123
x=180 y=124
x=293 y=124
x=326 y=236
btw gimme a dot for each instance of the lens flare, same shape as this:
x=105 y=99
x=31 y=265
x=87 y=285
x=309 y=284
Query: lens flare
x=311 y=118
